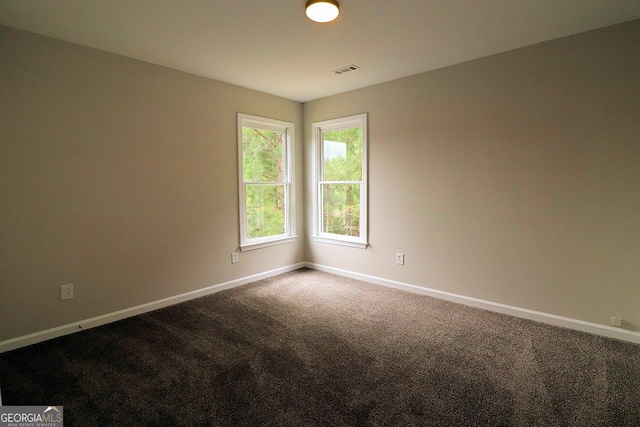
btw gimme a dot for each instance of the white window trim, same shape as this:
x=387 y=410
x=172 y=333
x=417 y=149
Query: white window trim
x=316 y=142
x=246 y=244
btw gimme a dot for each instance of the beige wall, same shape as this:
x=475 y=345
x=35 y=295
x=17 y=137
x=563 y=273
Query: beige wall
x=513 y=178
x=120 y=177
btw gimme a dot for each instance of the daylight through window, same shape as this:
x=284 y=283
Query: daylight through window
x=340 y=146
x=266 y=195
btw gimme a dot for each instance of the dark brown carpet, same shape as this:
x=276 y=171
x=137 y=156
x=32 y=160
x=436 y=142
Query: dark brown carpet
x=310 y=348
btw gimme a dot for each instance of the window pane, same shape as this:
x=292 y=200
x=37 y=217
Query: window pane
x=262 y=155
x=341 y=209
x=265 y=210
x=342 y=155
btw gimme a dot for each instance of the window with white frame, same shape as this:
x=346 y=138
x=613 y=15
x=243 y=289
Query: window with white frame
x=340 y=170
x=265 y=163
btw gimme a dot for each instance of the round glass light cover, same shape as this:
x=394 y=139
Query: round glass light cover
x=322 y=11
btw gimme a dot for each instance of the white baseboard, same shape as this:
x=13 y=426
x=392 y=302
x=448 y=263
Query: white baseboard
x=70 y=328
x=551 y=319
x=579 y=325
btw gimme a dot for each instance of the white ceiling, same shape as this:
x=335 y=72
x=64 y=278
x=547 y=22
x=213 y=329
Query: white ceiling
x=270 y=46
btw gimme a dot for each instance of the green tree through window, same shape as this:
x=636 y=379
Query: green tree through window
x=263 y=174
x=265 y=179
x=342 y=167
x=340 y=214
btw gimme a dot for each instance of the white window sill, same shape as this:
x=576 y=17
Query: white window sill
x=330 y=241
x=267 y=243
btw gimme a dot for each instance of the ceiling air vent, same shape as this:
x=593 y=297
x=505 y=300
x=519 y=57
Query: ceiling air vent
x=346 y=69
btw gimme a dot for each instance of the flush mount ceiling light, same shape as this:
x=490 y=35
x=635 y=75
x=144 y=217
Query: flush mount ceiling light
x=322 y=10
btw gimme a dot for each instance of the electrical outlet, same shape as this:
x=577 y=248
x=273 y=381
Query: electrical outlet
x=616 y=321
x=234 y=257
x=66 y=291
x=399 y=258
